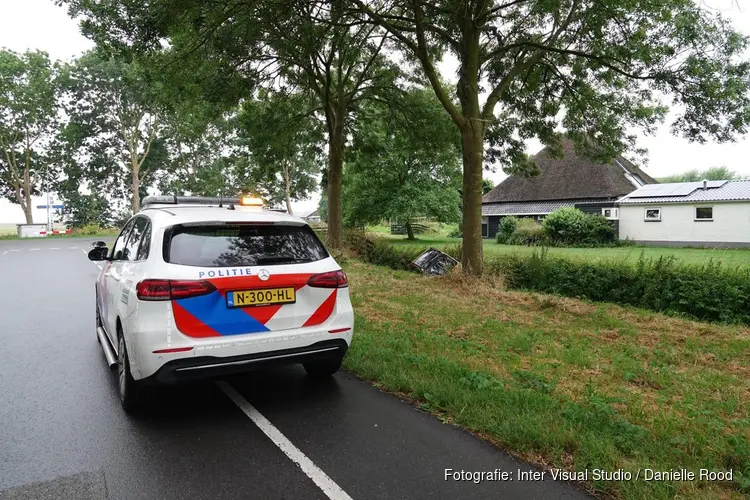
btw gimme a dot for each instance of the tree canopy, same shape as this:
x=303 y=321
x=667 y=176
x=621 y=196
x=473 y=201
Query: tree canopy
x=303 y=44
x=709 y=174
x=284 y=143
x=113 y=125
x=28 y=123
x=404 y=163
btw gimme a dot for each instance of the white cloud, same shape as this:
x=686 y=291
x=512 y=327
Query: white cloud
x=40 y=25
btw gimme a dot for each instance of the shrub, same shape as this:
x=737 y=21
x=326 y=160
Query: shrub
x=706 y=292
x=380 y=251
x=455 y=233
x=527 y=232
x=506 y=228
x=570 y=226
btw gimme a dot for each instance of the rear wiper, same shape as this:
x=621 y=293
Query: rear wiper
x=279 y=259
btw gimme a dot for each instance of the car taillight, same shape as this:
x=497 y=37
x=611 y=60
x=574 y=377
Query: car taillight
x=170 y=289
x=185 y=289
x=333 y=279
x=152 y=290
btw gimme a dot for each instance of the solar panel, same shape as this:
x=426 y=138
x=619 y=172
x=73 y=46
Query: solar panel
x=715 y=184
x=665 y=190
x=684 y=189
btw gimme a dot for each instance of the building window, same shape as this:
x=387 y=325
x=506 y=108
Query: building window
x=704 y=213
x=485 y=227
x=611 y=213
x=653 y=214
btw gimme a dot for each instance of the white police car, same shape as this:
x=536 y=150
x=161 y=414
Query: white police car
x=199 y=287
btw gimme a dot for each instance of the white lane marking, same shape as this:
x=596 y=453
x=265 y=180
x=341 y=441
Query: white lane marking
x=325 y=483
x=72 y=248
x=34 y=249
x=5 y=252
x=54 y=248
x=14 y=250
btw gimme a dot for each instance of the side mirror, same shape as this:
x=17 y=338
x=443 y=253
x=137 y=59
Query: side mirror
x=98 y=253
x=98 y=244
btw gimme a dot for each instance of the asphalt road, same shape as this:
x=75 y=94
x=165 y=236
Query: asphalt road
x=64 y=435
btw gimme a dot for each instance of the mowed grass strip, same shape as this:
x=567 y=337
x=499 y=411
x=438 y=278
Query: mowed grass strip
x=561 y=382
x=729 y=257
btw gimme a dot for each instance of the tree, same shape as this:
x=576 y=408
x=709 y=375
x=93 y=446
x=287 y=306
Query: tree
x=200 y=151
x=28 y=121
x=300 y=43
x=113 y=124
x=710 y=174
x=84 y=209
x=487 y=186
x=405 y=163
x=284 y=142
x=595 y=67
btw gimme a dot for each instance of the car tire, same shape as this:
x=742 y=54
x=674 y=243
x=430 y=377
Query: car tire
x=98 y=322
x=131 y=392
x=322 y=369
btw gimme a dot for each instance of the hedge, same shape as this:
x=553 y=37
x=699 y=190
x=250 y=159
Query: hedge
x=381 y=252
x=707 y=292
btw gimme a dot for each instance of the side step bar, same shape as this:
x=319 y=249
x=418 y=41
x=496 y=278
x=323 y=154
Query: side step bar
x=108 y=352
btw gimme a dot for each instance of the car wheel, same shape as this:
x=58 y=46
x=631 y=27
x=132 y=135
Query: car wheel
x=131 y=392
x=322 y=369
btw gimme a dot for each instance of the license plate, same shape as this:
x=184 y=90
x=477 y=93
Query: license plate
x=246 y=298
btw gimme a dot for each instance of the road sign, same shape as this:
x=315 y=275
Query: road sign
x=51 y=206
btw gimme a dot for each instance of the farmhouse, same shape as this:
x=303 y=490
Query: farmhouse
x=571 y=181
x=313 y=216
x=707 y=213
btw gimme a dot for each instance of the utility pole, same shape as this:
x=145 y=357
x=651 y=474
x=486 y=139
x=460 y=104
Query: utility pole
x=49 y=212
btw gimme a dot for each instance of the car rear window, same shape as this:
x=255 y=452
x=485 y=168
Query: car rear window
x=241 y=245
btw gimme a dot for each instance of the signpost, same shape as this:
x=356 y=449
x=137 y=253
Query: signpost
x=49 y=207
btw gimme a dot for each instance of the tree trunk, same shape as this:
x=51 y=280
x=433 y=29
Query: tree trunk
x=27 y=212
x=135 y=201
x=27 y=186
x=287 y=190
x=409 y=231
x=336 y=144
x=24 y=200
x=473 y=158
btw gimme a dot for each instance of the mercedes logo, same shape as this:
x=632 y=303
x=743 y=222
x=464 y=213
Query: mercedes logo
x=264 y=275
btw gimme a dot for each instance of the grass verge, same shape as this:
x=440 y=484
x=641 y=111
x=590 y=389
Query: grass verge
x=562 y=382
x=729 y=257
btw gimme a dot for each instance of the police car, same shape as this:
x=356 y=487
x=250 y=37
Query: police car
x=198 y=287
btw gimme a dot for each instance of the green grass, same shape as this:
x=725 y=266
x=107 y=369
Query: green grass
x=728 y=257
x=105 y=234
x=561 y=382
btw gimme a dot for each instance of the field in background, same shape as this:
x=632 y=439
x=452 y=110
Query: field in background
x=728 y=257
x=562 y=382
x=7 y=229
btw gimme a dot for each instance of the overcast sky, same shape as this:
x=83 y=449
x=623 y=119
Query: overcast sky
x=40 y=24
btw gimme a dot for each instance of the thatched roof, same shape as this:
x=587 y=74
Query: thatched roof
x=571 y=177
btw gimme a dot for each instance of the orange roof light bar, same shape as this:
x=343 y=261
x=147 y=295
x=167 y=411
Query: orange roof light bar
x=251 y=201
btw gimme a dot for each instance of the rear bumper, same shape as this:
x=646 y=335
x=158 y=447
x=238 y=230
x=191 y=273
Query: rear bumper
x=202 y=367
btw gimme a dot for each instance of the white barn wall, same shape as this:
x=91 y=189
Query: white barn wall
x=731 y=223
